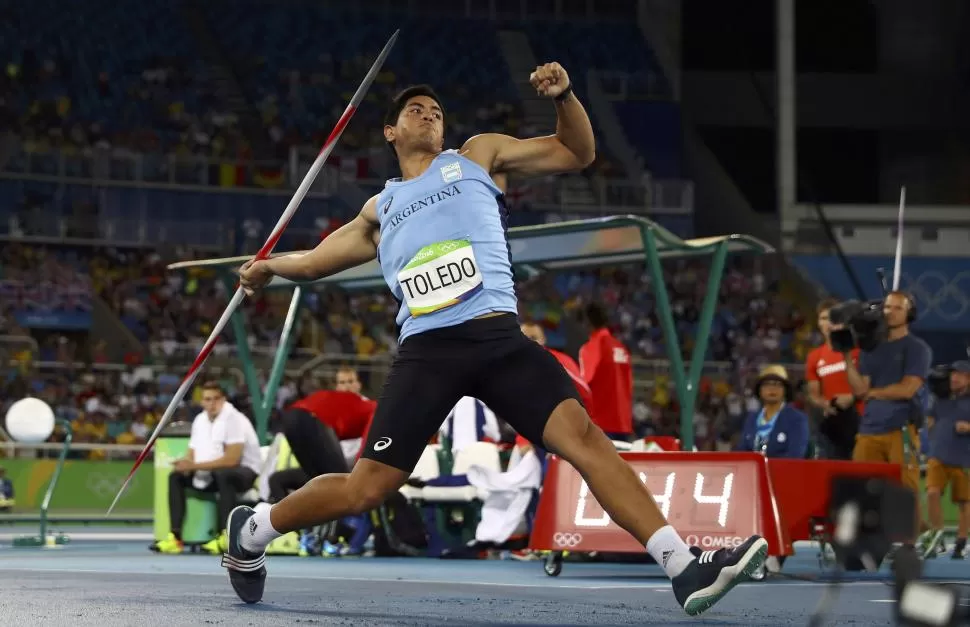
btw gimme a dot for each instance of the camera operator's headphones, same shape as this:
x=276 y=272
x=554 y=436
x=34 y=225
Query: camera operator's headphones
x=911 y=313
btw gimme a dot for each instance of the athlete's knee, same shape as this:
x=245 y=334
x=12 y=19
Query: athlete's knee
x=370 y=483
x=934 y=492
x=570 y=429
x=367 y=499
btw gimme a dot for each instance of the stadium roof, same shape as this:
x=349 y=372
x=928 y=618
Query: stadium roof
x=556 y=246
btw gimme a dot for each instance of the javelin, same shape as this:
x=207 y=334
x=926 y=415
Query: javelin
x=263 y=253
x=898 y=264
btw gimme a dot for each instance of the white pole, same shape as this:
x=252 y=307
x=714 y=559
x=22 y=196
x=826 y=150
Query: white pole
x=899 y=239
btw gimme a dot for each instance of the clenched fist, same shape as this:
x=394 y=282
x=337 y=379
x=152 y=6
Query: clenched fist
x=549 y=80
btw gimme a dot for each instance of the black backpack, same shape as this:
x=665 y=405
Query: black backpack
x=398 y=528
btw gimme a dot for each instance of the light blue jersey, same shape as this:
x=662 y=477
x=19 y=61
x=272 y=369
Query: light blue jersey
x=443 y=249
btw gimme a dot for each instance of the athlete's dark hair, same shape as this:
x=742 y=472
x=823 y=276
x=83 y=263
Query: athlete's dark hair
x=597 y=316
x=401 y=99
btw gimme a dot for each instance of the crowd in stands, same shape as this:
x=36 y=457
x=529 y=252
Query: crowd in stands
x=170 y=314
x=158 y=97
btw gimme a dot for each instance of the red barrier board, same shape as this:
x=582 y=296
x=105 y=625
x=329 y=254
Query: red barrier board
x=803 y=488
x=712 y=499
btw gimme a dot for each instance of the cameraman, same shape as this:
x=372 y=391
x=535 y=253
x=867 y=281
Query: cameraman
x=888 y=378
x=949 y=460
x=829 y=390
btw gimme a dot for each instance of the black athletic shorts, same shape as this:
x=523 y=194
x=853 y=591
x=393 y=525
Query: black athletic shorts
x=485 y=358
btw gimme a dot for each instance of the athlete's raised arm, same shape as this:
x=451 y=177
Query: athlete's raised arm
x=351 y=245
x=572 y=148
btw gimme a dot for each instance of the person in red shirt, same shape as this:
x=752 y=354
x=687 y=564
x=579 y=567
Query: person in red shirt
x=829 y=392
x=314 y=427
x=605 y=365
x=535 y=333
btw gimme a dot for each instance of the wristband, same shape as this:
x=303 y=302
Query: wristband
x=565 y=93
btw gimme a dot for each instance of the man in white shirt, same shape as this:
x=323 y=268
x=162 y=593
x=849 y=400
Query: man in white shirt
x=223 y=457
x=470 y=421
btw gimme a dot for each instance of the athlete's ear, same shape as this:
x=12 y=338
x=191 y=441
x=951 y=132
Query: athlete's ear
x=388 y=133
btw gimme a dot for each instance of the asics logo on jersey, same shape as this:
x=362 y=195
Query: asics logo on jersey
x=382 y=444
x=428 y=201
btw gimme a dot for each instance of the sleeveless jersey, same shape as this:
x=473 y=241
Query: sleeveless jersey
x=443 y=249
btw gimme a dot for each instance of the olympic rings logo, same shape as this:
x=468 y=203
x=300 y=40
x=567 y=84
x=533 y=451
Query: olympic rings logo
x=935 y=292
x=449 y=247
x=104 y=486
x=569 y=540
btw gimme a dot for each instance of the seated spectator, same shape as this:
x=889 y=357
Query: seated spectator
x=6 y=492
x=777 y=429
x=223 y=457
x=469 y=421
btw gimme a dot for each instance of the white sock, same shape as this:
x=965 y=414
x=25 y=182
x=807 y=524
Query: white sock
x=669 y=550
x=258 y=532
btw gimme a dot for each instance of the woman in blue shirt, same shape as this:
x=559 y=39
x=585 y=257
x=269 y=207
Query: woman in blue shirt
x=777 y=429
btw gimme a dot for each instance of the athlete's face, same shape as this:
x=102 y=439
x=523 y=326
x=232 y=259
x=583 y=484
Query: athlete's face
x=535 y=333
x=347 y=381
x=420 y=125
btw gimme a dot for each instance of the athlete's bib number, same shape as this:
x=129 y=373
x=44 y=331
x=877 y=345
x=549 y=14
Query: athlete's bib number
x=439 y=276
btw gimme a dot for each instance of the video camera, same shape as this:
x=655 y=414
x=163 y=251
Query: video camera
x=869 y=516
x=864 y=325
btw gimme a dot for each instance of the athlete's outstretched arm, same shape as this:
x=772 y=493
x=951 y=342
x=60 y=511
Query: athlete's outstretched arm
x=351 y=245
x=572 y=148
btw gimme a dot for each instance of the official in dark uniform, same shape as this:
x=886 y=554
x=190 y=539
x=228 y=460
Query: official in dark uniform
x=949 y=459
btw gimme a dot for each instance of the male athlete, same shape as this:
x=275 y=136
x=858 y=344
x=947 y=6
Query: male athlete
x=439 y=233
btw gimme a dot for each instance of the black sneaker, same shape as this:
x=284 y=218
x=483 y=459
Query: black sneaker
x=247 y=571
x=714 y=573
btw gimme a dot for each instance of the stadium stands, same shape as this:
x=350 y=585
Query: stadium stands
x=128 y=69
x=301 y=61
x=84 y=108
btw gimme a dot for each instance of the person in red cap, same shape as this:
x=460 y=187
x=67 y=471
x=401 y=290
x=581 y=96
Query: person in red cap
x=605 y=365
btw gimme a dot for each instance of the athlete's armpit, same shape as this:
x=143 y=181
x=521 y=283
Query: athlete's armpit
x=528 y=157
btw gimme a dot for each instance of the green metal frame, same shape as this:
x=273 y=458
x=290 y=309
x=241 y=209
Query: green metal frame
x=42 y=539
x=624 y=239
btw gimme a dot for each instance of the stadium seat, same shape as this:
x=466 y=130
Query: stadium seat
x=484 y=454
x=426 y=468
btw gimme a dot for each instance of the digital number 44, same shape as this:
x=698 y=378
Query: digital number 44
x=663 y=499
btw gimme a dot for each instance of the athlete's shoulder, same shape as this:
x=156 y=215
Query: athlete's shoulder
x=484 y=148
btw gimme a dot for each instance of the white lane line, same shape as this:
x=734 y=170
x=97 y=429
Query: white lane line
x=314 y=577
x=660 y=587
